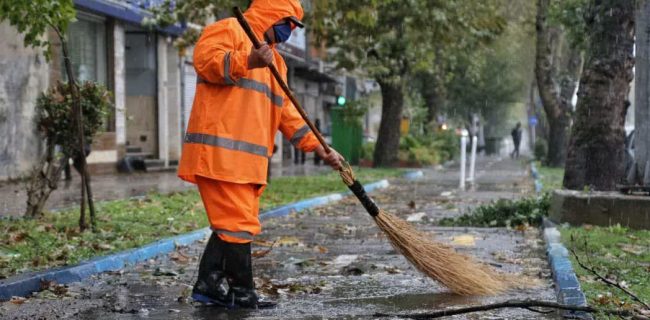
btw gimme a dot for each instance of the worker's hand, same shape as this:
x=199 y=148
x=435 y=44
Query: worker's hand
x=333 y=158
x=260 y=58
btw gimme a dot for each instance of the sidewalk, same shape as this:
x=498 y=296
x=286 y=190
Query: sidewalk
x=13 y=196
x=330 y=262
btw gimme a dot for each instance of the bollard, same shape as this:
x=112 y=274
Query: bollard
x=472 y=161
x=463 y=160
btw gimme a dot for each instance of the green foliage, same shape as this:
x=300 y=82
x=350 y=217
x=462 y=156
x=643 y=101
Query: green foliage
x=32 y=18
x=388 y=39
x=616 y=252
x=504 y=213
x=541 y=149
x=570 y=15
x=490 y=92
x=54 y=108
x=368 y=150
x=55 y=240
x=428 y=149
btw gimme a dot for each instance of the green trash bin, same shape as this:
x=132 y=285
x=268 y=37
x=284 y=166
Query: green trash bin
x=347 y=138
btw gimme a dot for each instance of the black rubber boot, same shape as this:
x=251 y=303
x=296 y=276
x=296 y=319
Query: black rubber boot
x=211 y=288
x=239 y=272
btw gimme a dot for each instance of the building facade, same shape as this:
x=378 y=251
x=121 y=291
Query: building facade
x=108 y=45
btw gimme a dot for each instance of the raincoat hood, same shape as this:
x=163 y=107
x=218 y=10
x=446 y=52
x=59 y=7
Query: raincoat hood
x=263 y=14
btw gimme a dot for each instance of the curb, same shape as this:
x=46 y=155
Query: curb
x=24 y=285
x=535 y=174
x=567 y=285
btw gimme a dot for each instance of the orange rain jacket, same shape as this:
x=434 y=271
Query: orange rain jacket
x=237 y=111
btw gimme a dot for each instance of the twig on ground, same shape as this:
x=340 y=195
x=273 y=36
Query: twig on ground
x=524 y=304
x=608 y=281
x=263 y=253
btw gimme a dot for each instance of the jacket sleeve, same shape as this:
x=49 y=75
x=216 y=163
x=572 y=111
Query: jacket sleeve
x=295 y=129
x=215 y=58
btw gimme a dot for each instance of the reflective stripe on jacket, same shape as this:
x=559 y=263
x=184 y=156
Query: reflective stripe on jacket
x=236 y=111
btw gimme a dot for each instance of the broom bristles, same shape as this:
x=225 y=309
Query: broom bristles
x=458 y=272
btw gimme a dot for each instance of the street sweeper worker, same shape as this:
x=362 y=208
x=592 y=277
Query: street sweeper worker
x=237 y=110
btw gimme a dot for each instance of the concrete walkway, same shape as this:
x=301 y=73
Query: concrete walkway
x=13 y=196
x=331 y=262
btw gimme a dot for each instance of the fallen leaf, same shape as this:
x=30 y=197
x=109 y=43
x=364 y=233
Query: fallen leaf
x=46 y=284
x=17 y=237
x=522 y=227
x=179 y=257
x=411 y=204
x=416 y=217
x=260 y=253
x=161 y=272
x=344 y=260
x=17 y=300
x=464 y=240
x=632 y=249
x=321 y=249
x=352 y=270
x=102 y=246
x=392 y=270
x=289 y=241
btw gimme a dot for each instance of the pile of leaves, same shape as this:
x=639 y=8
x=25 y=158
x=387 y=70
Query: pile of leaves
x=504 y=213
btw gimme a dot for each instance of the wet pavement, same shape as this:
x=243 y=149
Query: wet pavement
x=330 y=262
x=13 y=195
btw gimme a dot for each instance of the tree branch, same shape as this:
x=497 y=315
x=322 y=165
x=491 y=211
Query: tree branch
x=524 y=304
x=607 y=281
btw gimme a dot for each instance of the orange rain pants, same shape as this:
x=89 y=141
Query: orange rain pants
x=232 y=208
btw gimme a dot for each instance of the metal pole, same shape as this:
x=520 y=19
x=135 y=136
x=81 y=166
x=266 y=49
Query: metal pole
x=472 y=161
x=463 y=161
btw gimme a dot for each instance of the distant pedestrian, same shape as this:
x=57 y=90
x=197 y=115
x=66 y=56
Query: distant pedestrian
x=516 y=139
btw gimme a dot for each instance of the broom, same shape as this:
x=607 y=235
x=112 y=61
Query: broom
x=459 y=273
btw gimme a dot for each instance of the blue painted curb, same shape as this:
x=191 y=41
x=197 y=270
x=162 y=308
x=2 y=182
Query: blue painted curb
x=24 y=285
x=567 y=285
x=535 y=174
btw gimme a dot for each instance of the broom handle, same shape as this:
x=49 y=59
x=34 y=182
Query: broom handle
x=256 y=43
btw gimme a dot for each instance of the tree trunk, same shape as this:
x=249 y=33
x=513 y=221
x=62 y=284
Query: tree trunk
x=433 y=97
x=43 y=181
x=386 y=150
x=595 y=158
x=561 y=123
x=642 y=91
x=86 y=191
x=557 y=105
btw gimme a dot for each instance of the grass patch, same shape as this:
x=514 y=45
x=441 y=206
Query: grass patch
x=504 y=213
x=617 y=253
x=55 y=240
x=551 y=177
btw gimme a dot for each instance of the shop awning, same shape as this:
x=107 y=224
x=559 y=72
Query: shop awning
x=129 y=11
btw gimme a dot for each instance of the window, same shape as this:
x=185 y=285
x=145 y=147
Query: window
x=87 y=41
x=87 y=47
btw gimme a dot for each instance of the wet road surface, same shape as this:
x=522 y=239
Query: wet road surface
x=330 y=262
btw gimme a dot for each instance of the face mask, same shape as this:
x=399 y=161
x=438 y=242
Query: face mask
x=282 y=32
